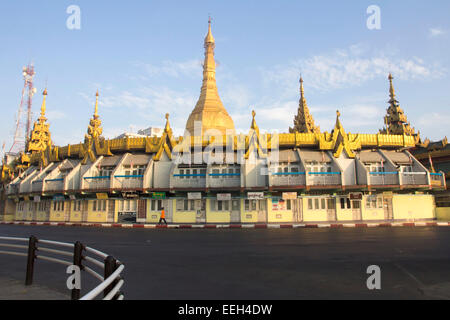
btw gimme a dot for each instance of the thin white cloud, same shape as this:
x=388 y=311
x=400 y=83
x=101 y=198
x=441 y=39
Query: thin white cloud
x=346 y=68
x=435 y=32
x=173 y=68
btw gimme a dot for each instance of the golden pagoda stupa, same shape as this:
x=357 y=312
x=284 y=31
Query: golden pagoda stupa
x=209 y=109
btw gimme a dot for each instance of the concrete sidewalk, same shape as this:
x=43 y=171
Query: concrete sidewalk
x=12 y=289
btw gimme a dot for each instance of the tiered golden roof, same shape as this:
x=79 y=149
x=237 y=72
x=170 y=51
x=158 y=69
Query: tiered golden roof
x=303 y=121
x=40 y=136
x=395 y=120
x=95 y=124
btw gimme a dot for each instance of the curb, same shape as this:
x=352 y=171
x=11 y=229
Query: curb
x=232 y=226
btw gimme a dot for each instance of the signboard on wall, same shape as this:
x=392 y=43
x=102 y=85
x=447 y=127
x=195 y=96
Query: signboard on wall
x=37 y=198
x=289 y=195
x=72 y=197
x=223 y=196
x=102 y=196
x=194 y=195
x=255 y=195
x=158 y=195
x=355 y=196
x=278 y=204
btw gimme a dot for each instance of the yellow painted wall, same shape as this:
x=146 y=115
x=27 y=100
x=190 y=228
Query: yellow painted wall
x=182 y=216
x=96 y=216
x=152 y=216
x=8 y=217
x=443 y=213
x=58 y=216
x=75 y=216
x=18 y=213
x=216 y=216
x=116 y=210
x=414 y=206
x=29 y=211
x=313 y=215
x=248 y=216
x=41 y=216
x=371 y=213
x=343 y=214
x=274 y=216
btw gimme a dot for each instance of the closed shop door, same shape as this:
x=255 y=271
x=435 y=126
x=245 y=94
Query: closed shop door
x=387 y=206
x=235 y=211
x=84 y=215
x=262 y=210
x=111 y=210
x=200 y=208
x=356 y=209
x=142 y=209
x=297 y=209
x=67 y=208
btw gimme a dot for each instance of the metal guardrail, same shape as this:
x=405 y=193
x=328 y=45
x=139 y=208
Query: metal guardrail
x=111 y=281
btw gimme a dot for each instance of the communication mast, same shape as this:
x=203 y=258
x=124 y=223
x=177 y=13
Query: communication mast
x=20 y=141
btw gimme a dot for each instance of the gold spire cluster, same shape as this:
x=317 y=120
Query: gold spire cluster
x=95 y=129
x=303 y=121
x=209 y=109
x=395 y=119
x=40 y=136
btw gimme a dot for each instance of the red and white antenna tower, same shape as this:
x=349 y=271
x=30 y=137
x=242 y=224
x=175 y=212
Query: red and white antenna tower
x=20 y=142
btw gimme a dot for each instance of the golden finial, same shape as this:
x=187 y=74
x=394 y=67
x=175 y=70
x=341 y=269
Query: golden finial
x=253 y=114
x=391 y=86
x=209 y=37
x=301 y=86
x=43 y=106
x=96 y=105
x=338 y=114
x=167 y=127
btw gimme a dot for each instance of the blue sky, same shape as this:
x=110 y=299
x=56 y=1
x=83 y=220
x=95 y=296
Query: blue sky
x=145 y=59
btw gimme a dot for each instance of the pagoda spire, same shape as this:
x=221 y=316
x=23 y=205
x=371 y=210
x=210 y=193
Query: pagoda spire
x=395 y=119
x=95 y=124
x=303 y=121
x=209 y=109
x=96 y=106
x=42 y=118
x=40 y=137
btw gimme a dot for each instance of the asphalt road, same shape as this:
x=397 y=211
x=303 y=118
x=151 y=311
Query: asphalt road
x=301 y=263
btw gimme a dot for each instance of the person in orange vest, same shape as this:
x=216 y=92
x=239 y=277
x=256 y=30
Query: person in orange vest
x=163 y=216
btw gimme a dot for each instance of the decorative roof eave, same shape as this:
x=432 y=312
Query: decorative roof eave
x=320 y=141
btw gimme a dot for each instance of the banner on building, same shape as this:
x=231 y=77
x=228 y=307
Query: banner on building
x=72 y=197
x=37 y=198
x=223 y=196
x=102 y=196
x=289 y=195
x=194 y=195
x=158 y=195
x=278 y=204
x=58 y=198
x=255 y=195
x=355 y=196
